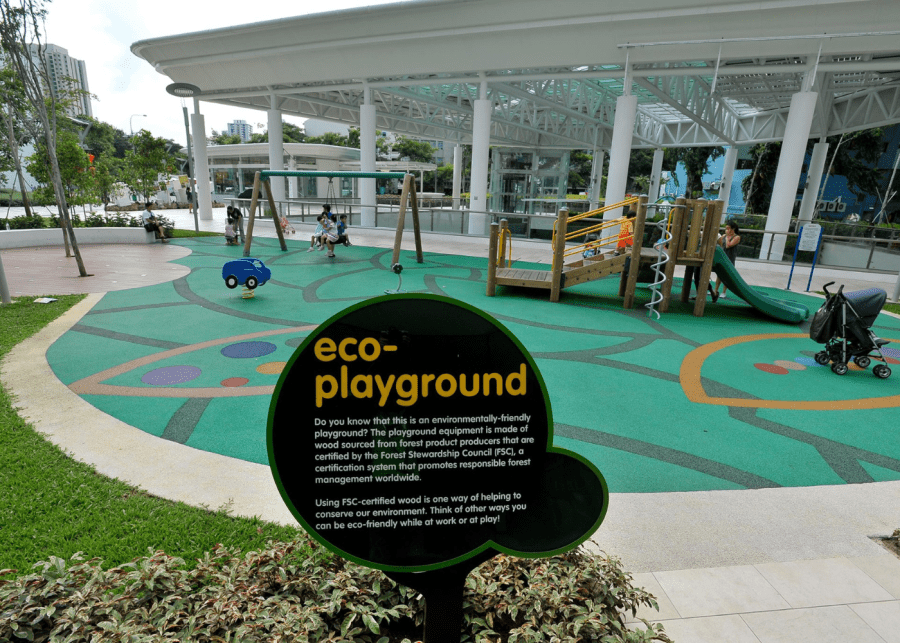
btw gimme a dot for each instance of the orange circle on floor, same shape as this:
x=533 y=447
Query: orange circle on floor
x=271 y=368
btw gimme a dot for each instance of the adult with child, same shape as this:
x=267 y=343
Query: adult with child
x=152 y=223
x=236 y=218
x=316 y=239
x=729 y=242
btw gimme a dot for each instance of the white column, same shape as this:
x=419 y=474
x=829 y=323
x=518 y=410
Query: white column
x=813 y=181
x=276 y=151
x=367 y=134
x=620 y=153
x=201 y=163
x=596 y=179
x=457 y=174
x=293 y=182
x=787 y=176
x=731 y=155
x=655 y=172
x=481 y=140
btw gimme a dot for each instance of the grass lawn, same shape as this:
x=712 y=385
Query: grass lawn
x=53 y=505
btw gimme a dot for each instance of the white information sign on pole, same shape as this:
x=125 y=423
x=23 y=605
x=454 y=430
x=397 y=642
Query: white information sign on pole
x=809 y=240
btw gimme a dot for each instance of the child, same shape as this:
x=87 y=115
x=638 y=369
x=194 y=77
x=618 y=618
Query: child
x=343 y=233
x=316 y=239
x=229 y=234
x=329 y=235
x=626 y=234
x=592 y=247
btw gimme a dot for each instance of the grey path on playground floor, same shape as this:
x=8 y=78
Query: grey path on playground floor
x=786 y=564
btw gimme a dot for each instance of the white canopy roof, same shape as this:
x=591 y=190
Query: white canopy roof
x=705 y=72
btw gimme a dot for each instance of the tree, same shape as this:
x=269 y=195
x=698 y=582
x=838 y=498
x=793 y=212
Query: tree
x=696 y=163
x=145 y=163
x=14 y=130
x=292 y=133
x=23 y=46
x=330 y=138
x=74 y=168
x=417 y=151
x=444 y=175
x=581 y=162
x=221 y=138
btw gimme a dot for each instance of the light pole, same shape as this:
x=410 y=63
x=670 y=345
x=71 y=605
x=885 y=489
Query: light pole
x=186 y=90
x=132 y=128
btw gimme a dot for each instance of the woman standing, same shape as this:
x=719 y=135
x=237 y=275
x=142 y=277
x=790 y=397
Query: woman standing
x=729 y=242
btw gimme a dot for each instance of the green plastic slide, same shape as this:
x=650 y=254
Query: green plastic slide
x=781 y=310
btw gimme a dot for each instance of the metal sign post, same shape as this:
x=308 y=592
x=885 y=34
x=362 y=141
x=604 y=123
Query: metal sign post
x=809 y=240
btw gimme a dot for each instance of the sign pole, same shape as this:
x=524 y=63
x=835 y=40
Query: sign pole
x=815 y=259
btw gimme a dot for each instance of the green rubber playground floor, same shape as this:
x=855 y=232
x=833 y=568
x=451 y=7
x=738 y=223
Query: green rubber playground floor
x=732 y=400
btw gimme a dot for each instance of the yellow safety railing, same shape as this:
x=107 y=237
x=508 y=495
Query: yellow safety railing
x=595 y=228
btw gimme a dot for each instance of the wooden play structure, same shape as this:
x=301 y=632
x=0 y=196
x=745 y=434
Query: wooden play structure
x=408 y=193
x=563 y=274
x=694 y=226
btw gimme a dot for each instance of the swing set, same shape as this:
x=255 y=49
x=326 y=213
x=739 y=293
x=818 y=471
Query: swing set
x=261 y=180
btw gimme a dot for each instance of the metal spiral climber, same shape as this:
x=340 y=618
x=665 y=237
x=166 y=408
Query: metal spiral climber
x=662 y=258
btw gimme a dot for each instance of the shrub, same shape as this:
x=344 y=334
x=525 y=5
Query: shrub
x=25 y=222
x=298 y=591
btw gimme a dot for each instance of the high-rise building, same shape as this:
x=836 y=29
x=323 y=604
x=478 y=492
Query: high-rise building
x=242 y=129
x=68 y=78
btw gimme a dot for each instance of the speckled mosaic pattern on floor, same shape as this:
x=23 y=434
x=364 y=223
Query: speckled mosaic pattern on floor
x=192 y=362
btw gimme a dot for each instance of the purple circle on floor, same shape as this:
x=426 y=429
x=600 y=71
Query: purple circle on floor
x=243 y=350
x=890 y=352
x=169 y=375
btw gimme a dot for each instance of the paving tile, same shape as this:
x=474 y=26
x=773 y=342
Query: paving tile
x=647 y=581
x=883 y=618
x=884 y=570
x=710 y=629
x=719 y=590
x=837 y=624
x=814 y=583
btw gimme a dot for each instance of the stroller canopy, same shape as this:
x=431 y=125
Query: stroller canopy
x=867 y=303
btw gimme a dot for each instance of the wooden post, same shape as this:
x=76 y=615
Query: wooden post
x=636 y=245
x=675 y=245
x=708 y=251
x=254 y=199
x=492 y=260
x=416 y=228
x=559 y=249
x=275 y=218
x=398 y=236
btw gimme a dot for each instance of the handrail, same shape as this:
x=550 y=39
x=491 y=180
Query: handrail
x=504 y=232
x=600 y=226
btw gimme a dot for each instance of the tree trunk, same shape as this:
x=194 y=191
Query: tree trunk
x=65 y=221
x=14 y=152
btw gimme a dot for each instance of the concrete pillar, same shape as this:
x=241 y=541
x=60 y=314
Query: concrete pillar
x=655 y=173
x=294 y=181
x=457 y=174
x=731 y=155
x=620 y=153
x=276 y=151
x=201 y=163
x=787 y=176
x=367 y=135
x=813 y=181
x=596 y=178
x=481 y=140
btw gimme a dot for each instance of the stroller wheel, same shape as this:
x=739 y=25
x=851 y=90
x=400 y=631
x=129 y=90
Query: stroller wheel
x=863 y=361
x=882 y=371
x=839 y=368
x=822 y=358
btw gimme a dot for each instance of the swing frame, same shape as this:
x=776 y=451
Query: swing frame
x=261 y=180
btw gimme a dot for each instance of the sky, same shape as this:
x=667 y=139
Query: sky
x=101 y=32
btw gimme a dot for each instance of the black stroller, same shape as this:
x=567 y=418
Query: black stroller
x=843 y=324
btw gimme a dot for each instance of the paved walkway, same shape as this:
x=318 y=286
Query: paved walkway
x=765 y=565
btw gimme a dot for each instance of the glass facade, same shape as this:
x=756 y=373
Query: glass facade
x=528 y=181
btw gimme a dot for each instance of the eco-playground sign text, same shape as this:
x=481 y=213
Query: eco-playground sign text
x=413 y=433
